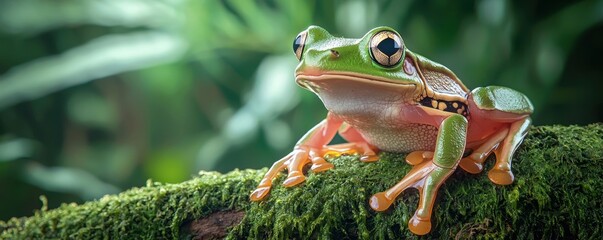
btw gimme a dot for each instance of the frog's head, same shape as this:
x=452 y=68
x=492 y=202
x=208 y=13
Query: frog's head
x=379 y=62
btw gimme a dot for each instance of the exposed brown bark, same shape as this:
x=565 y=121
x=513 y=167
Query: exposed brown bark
x=214 y=226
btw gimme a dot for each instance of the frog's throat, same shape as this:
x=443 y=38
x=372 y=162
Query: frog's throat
x=315 y=83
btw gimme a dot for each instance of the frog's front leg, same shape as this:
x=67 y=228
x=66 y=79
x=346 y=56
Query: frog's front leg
x=308 y=149
x=356 y=144
x=427 y=176
x=311 y=148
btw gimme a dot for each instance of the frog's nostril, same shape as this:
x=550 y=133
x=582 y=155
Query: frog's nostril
x=334 y=53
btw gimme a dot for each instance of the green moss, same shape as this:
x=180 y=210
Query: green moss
x=152 y=212
x=557 y=193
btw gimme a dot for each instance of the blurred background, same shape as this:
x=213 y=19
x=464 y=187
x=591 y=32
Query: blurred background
x=98 y=96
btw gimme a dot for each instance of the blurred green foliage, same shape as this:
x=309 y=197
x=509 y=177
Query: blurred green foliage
x=97 y=96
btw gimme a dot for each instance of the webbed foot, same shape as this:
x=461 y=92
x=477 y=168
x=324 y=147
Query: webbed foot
x=503 y=144
x=295 y=161
x=427 y=178
x=500 y=174
x=428 y=175
x=474 y=163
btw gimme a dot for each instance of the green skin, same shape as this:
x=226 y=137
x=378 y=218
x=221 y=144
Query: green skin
x=357 y=56
x=391 y=104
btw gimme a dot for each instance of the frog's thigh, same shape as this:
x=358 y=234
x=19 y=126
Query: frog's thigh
x=501 y=172
x=450 y=143
x=504 y=103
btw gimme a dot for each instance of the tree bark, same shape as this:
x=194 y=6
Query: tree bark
x=556 y=194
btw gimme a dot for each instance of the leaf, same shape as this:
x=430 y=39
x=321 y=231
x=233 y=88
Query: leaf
x=32 y=17
x=16 y=148
x=68 y=180
x=99 y=58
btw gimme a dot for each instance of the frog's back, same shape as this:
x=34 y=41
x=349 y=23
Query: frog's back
x=440 y=82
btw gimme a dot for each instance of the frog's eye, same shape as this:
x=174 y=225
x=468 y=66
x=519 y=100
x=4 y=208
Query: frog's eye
x=299 y=44
x=387 y=48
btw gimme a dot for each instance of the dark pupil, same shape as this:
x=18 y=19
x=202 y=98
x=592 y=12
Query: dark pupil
x=388 y=46
x=296 y=43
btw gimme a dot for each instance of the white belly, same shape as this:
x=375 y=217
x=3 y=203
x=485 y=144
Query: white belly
x=399 y=137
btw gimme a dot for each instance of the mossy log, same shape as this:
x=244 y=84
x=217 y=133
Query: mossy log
x=557 y=194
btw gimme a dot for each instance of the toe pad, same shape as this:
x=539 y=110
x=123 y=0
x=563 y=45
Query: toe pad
x=501 y=177
x=419 y=226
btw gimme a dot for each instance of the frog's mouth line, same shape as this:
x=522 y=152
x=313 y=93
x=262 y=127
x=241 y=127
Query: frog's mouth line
x=309 y=81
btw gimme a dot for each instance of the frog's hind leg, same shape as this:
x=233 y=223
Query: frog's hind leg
x=428 y=176
x=474 y=163
x=503 y=144
x=501 y=172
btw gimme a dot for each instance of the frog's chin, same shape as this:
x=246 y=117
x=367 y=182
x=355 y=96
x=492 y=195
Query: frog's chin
x=360 y=98
x=348 y=83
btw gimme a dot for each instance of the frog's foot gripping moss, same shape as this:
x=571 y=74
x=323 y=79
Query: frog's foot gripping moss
x=368 y=154
x=428 y=175
x=503 y=144
x=427 y=178
x=295 y=161
x=474 y=162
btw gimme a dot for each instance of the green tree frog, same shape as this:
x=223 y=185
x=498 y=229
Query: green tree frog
x=381 y=96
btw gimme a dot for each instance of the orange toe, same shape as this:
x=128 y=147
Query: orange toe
x=419 y=226
x=259 y=193
x=380 y=202
x=501 y=177
x=293 y=179
x=339 y=152
x=471 y=166
x=369 y=158
x=415 y=158
x=320 y=167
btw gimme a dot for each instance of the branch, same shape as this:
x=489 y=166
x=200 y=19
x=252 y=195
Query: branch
x=556 y=194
